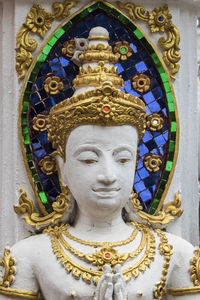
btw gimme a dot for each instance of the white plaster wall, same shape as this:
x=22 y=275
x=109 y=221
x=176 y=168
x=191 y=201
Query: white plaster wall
x=12 y=171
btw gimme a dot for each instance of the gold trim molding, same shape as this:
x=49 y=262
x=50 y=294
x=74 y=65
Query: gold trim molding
x=195 y=267
x=184 y=291
x=169 y=212
x=18 y=293
x=33 y=218
x=38 y=21
x=159 y=20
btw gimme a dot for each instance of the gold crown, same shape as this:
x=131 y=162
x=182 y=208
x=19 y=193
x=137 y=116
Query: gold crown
x=103 y=105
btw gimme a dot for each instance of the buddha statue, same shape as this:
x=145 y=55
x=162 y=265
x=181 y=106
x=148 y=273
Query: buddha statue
x=107 y=252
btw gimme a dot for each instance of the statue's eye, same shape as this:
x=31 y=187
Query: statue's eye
x=89 y=161
x=123 y=160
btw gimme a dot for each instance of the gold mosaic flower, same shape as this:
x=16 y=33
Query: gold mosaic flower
x=166 y=249
x=123 y=50
x=159 y=19
x=53 y=85
x=141 y=83
x=47 y=165
x=152 y=162
x=40 y=123
x=68 y=49
x=106 y=111
x=155 y=122
x=39 y=20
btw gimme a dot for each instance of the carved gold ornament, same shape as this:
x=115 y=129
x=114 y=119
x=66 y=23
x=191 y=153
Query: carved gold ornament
x=53 y=85
x=89 y=274
x=38 y=21
x=102 y=244
x=69 y=49
x=33 y=218
x=93 y=107
x=39 y=123
x=47 y=165
x=166 y=250
x=141 y=83
x=106 y=255
x=152 y=163
x=123 y=50
x=18 y=293
x=169 y=212
x=195 y=267
x=8 y=264
x=97 y=76
x=99 y=52
x=159 y=20
x=155 y=122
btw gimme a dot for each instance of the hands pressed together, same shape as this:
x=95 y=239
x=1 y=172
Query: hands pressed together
x=111 y=285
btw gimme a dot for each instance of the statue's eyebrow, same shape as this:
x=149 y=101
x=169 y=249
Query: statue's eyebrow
x=124 y=148
x=86 y=147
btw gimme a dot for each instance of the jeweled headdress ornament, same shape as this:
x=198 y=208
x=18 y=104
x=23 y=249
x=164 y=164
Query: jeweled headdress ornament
x=97 y=99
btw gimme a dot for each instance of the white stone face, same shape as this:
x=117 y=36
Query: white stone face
x=99 y=167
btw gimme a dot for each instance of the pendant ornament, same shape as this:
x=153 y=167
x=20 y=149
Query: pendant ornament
x=38 y=21
x=159 y=20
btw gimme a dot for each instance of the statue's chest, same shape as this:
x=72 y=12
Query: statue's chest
x=56 y=282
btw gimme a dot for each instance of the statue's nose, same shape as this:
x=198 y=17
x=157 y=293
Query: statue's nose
x=107 y=175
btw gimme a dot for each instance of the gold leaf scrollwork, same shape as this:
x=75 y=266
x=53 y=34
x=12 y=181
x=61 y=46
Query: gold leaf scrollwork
x=195 y=267
x=38 y=21
x=169 y=212
x=34 y=219
x=159 y=20
x=8 y=263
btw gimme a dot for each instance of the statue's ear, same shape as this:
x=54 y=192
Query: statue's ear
x=61 y=166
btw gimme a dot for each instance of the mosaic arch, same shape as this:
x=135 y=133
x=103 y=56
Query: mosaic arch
x=145 y=76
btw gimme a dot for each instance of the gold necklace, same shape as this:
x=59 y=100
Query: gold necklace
x=106 y=255
x=89 y=275
x=101 y=244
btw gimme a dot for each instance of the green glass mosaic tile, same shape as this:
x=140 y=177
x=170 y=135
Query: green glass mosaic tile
x=43 y=197
x=67 y=26
x=170 y=97
x=164 y=78
x=39 y=187
x=59 y=33
x=47 y=49
x=159 y=193
x=169 y=166
x=26 y=139
x=167 y=87
x=26 y=96
x=138 y=34
x=42 y=58
x=172 y=116
x=173 y=126
x=29 y=157
x=37 y=67
x=25 y=130
x=105 y=7
x=173 y=136
x=28 y=149
x=171 y=156
x=84 y=13
x=155 y=58
x=36 y=178
x=24 y=120
x=163 y=184
x=25 y=106
x=171 y=107
x=32 y=77
x=53 y=40
x=172 y=146
x=166 y=175
x=33 y=171
x=147 y=45
x=30 y=163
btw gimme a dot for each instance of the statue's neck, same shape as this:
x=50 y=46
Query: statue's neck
x=100 y=227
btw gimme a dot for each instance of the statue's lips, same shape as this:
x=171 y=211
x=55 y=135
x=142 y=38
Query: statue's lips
x=106 y=192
